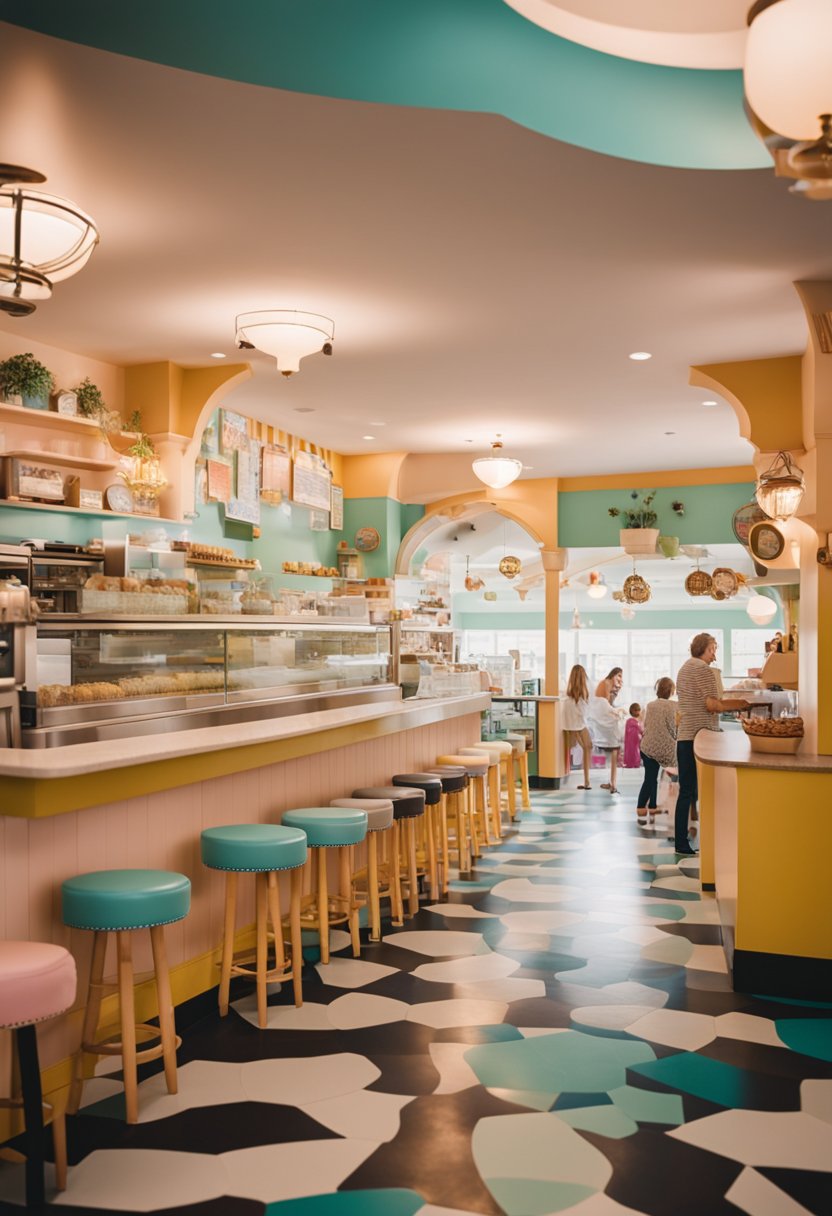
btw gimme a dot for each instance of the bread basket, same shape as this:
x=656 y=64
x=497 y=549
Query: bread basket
x=779 y=736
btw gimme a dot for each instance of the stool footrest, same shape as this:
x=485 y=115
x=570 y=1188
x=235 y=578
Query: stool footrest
x=247 y=967
x=115 y=1047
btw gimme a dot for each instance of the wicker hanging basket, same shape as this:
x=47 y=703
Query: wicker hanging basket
x=636 y=590
x=698 y=582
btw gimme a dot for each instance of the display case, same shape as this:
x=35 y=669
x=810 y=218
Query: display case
x=518 y=715
x=169 y=672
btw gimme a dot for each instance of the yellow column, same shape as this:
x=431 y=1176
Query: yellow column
x=549 y=745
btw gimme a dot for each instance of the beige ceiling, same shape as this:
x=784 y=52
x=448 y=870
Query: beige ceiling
x=482 y=278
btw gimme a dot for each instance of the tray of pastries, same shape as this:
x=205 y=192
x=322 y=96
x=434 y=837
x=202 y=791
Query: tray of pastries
x=774 y=735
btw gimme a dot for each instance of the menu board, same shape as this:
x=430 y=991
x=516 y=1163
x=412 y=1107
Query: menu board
x=275 y=473
x=311 y=482
x=233 y=431
x=336 y=510
x=245 y=504
x=319 y=520
x=219 y=480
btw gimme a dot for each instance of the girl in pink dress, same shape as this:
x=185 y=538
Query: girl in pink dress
x=632 y=738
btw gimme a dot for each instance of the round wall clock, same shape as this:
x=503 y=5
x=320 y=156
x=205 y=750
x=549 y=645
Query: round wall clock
x=745 y=518
x=119 y=498
x=766 y=541
x=367 y=539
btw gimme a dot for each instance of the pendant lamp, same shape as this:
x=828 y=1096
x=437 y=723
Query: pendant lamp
x=780 y=488
x=286 y=334
x=495 y=470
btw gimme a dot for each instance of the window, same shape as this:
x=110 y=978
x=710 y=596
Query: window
x=748 y=649
x=475 y=644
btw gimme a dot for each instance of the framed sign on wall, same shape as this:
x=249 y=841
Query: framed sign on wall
x=336 y=510
x=311 y=482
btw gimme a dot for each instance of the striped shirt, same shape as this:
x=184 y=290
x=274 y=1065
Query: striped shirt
x=694 y=683
x=659 y=738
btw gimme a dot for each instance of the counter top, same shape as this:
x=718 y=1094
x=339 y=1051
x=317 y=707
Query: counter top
x=732 y=749
x=79 y=759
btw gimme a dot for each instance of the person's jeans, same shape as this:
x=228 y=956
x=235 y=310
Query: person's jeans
x=688 y=790
x=650 y=784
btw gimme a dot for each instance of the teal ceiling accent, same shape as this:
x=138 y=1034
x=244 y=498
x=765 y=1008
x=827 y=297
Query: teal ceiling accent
x=470 y=55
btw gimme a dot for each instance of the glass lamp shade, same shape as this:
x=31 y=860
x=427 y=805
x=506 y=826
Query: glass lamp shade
x=43 y=239
x=780 y=488
x=761 y=609
x=788 y=82
x=286 y=334
x=597 y=591
x=495 y=470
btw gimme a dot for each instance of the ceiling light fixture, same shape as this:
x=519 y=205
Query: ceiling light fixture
x=286 y=334
x=217 y=354
x=710 y=404
x=780 y=488
x=597 y=588
x=43 y=240
x=368 y=436
x=495 y=470
x=788 y=89
x=761 y=609
x=639 y=356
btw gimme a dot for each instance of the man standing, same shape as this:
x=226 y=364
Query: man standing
x=697 y=688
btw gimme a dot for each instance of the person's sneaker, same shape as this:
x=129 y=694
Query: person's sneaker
x=686 y=852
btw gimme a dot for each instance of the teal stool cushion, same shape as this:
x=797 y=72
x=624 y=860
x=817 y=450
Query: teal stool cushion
x=254 y=847
x=125 y=899
x=327 y=826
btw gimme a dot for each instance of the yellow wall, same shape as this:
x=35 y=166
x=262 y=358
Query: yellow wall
x=766 y=395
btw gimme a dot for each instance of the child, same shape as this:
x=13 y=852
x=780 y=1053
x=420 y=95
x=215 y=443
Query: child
x=574 y=710
x=632 y=738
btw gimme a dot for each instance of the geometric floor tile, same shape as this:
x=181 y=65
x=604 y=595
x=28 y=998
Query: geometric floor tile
x=647 y=1106
x=716 y=1082
x=352 y=972
x=754 y=1194
x=364 y=1116
x=509 y=989
x=675 y=1028
x=611 y=1017
x=541 y=921
x=287 y=1171
x=816 y=1099
x=749 y=1028
x=443 y=943
x=442 y=1014
x=672 y=950
x=468 y=970
x=139 y=1180
x=708 y=958
x=788 y=1139
x=564 y=1063
x=521 y=891
x=635 y=993
x=352 y=1203
x=458 y=911
x=811 y=1037
x=297 y=1082
x=285 y=1017
x=359 y=1009
x=603 y=1120
x=454 y=1072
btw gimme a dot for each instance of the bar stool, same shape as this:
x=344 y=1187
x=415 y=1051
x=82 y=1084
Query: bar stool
x=493 y=826
x=506 y=771
x=120 y=902
x=476 y=767
x=330 y=828
x=381 y=877
x=261 y=849
x=37 y=982
x=408 y=805
x=454 y=803
x=431 y=786
x=521 y=761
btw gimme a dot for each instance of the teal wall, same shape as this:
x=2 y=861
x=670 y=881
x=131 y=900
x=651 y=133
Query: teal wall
x=671 y=619
x=391 y=520
x=584 y=520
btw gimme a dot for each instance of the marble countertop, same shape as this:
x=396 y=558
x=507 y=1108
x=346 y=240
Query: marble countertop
x=732 y=749
x=78 y=759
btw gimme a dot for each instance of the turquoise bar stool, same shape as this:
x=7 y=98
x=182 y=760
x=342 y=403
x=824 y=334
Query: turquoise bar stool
x=121 y=902
x=37 y=982
x=339 y=828
x=264 y=850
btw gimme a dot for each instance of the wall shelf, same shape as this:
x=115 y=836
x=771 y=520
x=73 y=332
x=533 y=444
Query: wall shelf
x=69 y=462
x=49 y=420
x=17 y=505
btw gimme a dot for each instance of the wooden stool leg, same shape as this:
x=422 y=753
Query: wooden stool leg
x=482 y=816
x=91 y=1015
x=261 y=900
x=511 y=792
x=471 y=815
x=372 y=882
x=432 y=863
x=494 y=799
x=396 y=902
x=323 y=907
x=166 y=1017
x=228 y=941
x=127 y=1009
x=524 y=782
x=295 y=934
x=27 y=1054
x=59 y=1146
x=345 y=883
x=412 y=880
x=443 y=836
x=277 y=924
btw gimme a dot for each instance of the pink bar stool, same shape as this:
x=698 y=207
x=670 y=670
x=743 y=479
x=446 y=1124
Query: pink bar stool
x=37 y=982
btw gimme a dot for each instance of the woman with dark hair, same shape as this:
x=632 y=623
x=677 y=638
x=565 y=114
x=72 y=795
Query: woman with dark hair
x=658 y=746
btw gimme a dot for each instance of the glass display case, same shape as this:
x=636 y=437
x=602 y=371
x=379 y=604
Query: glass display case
x=97 y=671
x=518 y=715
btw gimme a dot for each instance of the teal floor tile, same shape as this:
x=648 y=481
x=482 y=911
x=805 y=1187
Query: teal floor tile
x=701 y=1076
x=527 y=1197
x=809 y=1036
x=561 y=1063
x=350 y=1203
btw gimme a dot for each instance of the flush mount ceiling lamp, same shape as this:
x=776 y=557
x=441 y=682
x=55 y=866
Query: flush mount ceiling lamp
x=788 y=88
x=43 y=239
x=495 y=470
x=285 y=334
x=780 y=488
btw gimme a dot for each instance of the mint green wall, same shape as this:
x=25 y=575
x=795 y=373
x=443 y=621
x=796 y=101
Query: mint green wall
x=584 y=520
x=391 y=520
x=670 y=619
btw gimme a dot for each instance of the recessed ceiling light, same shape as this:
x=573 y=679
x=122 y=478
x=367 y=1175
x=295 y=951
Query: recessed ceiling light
x=469 y=441
x=710 y=403
x=304 y=409
x=670 y=432
x=368 y=436
x=378 y=423
x=217 y=354
x=640 y=355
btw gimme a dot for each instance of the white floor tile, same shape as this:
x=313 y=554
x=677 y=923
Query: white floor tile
x=297 y=1082
x=357 y=1009
x=363 y=1116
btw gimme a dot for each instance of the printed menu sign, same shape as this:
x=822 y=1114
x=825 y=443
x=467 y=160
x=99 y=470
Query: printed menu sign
x=311 y=482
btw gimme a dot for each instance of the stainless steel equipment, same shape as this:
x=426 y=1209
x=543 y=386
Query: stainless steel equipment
x=59 y=572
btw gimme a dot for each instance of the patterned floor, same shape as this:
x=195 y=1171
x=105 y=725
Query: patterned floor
x=560 y=1037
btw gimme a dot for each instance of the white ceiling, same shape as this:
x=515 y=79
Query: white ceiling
x=482 y=277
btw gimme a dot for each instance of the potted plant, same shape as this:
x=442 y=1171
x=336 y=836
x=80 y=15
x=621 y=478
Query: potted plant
x=91 y=404
x=25 y=381
x=639 y=534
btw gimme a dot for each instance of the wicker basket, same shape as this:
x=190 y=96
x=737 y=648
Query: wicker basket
x=698 y=582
